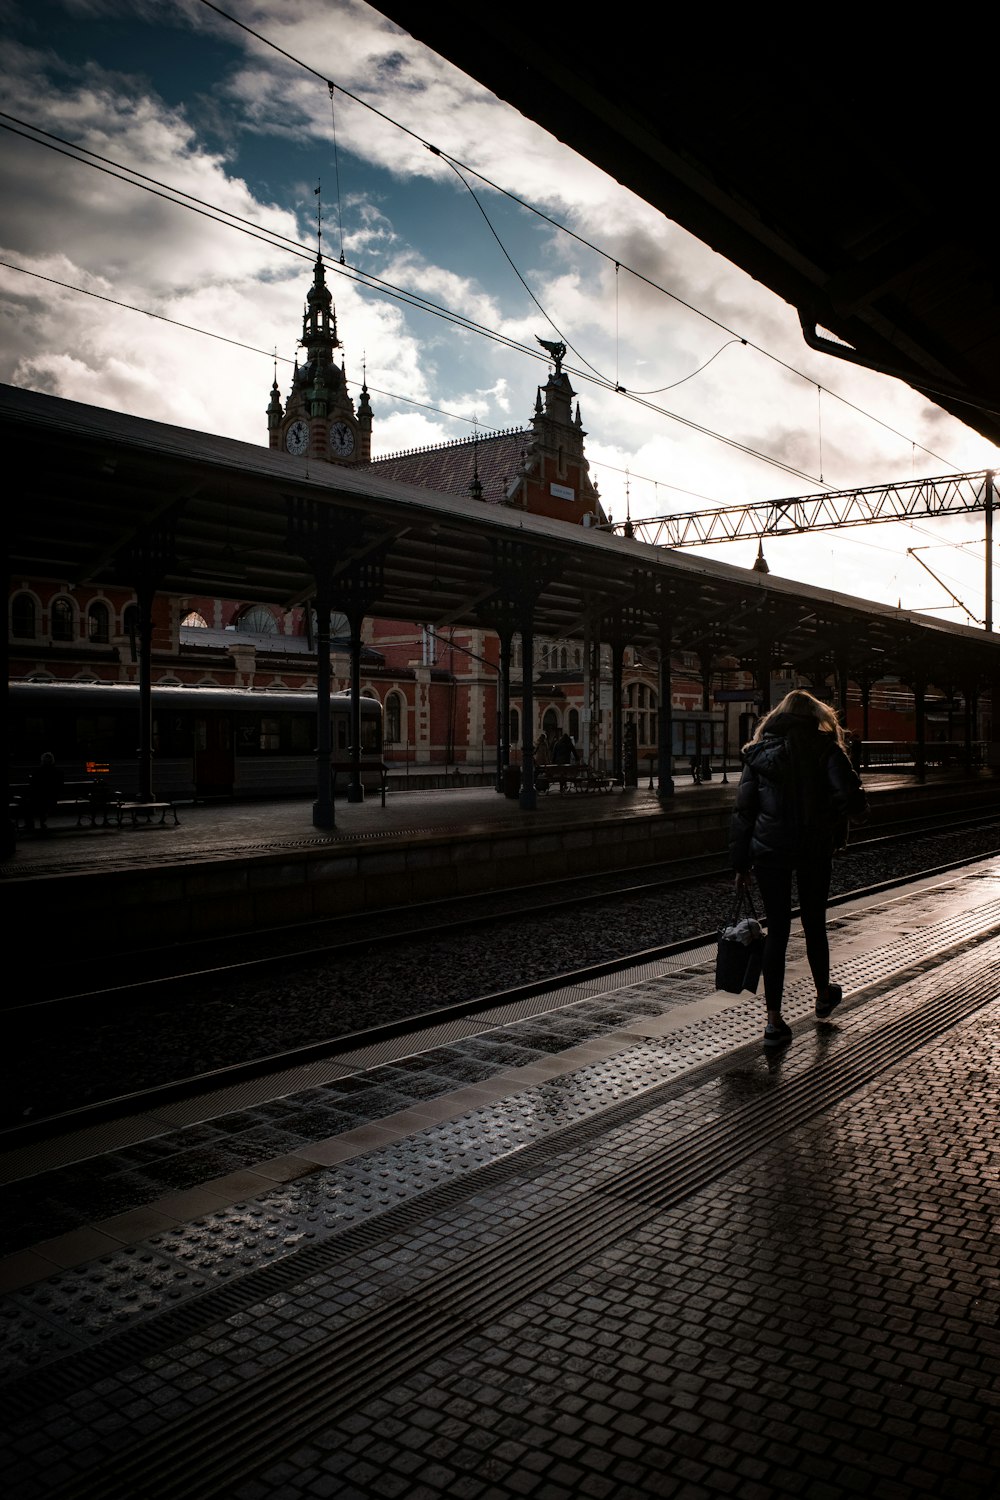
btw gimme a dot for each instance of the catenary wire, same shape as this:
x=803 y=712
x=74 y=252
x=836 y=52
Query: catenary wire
x=412 y=299
x=456 y=162
x=222 y=338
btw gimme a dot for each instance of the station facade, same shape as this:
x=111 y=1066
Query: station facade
x=438 y=688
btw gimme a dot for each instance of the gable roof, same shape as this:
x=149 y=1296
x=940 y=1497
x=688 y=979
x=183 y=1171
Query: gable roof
x=498 y=459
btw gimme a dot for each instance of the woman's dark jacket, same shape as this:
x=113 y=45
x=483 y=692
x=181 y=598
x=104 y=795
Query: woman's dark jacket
x=796 y=794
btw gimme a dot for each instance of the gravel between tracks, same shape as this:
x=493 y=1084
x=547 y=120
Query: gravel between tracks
x=125 y=1049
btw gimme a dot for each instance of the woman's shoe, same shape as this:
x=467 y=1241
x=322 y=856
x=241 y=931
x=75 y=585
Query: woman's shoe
x=777 y=1034
x=834 y=996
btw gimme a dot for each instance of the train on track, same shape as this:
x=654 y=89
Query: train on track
x=207 y=742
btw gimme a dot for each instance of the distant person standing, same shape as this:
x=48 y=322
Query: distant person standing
x=563 y=751
x=44 y=790
x=796 y=796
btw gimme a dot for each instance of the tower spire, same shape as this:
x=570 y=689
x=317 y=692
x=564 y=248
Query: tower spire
x=319 y=419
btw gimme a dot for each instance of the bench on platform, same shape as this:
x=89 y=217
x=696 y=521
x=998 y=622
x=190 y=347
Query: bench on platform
x=140 y=809
x=91 y=799
x=367 y=767
x=578 y=775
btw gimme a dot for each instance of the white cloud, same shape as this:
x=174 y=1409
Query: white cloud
x=132 y=246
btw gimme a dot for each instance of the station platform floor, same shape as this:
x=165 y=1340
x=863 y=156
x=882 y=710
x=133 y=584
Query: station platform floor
x=224 y=831
x=615 y=1250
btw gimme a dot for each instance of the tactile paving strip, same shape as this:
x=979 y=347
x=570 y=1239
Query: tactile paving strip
x=653 y=1155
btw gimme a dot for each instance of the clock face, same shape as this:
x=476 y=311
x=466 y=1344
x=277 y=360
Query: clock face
x=342 y=439
x=297 y=438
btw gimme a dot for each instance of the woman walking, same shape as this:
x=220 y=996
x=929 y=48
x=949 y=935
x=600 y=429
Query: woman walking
x=796 y=795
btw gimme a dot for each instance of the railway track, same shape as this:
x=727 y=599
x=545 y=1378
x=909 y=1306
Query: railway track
x=156 y=975
x=400 y=1033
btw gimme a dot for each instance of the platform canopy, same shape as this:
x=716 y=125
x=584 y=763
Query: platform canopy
x=103 y=495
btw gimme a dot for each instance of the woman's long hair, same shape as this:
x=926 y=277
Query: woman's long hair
x=802 y=705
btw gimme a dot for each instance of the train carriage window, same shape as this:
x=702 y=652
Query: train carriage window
x=23 y=618
x=370 y=735
x=302 y=733
x=270 y=734
x=94 y=736
x=31 y=735
x=175 y=734
x=63 y=620
x=247 y=735
x=342 y=723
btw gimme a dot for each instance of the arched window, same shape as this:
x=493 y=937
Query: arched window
x=257 y=619
x=394 y=713
x=23 y=618
x=98 y=624
x=63 y=618
x=195 y=620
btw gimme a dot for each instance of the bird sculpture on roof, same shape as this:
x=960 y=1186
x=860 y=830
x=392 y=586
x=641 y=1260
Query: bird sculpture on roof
x=557 y=351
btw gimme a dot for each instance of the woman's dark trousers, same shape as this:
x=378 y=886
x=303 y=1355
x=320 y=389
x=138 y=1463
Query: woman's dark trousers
x=775 y=886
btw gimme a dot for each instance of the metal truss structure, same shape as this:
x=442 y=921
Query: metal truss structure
x=876 y=504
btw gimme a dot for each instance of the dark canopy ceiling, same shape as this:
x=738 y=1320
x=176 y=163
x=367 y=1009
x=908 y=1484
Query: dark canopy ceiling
x=841 y=165
x=104 y=499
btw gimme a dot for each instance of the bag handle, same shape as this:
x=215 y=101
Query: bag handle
x=744 y=898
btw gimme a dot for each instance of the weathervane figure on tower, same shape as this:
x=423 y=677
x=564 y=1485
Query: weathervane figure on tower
x=557 y=351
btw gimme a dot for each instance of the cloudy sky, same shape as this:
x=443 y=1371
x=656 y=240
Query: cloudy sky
x=173 y=90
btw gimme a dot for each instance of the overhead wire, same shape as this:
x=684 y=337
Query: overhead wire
x=222 y=338
x=456 y=162
x=278 y=241
x=546 y=315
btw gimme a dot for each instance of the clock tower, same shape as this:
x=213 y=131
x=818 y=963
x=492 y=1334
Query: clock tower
x=319 y=419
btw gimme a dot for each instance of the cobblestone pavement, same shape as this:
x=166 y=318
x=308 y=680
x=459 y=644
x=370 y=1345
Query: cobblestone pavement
x=636 y=1259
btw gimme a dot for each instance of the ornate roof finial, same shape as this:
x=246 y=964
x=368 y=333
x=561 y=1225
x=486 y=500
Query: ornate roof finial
x=628 y=529
x=760 y=566
x=317 y=190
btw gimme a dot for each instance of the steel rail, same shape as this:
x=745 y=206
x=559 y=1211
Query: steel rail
x=14 y=1137
x=158 y=987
